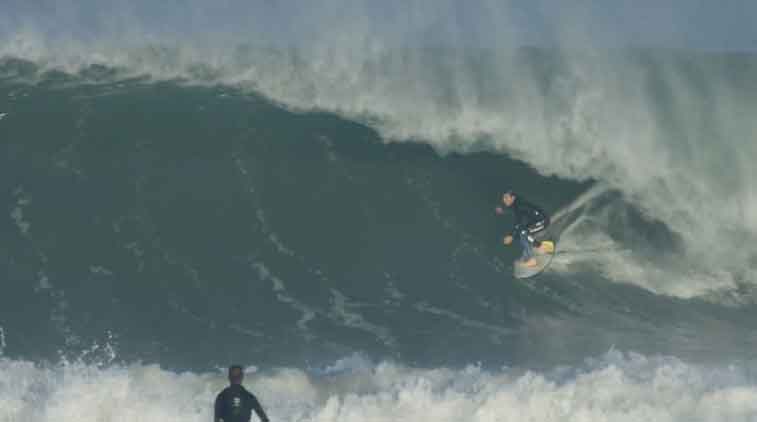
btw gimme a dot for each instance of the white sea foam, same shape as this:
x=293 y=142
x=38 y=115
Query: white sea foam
x=616 y=387
x=497 y=334
x=308 y=313
x=343 y=312
x=3 y=345
x=23 y=200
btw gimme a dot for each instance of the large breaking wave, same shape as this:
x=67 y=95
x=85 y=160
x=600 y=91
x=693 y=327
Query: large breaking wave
x=670 y=130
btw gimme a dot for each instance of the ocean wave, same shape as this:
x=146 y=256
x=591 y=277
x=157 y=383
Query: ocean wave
x=670 y=132
x=615 y=386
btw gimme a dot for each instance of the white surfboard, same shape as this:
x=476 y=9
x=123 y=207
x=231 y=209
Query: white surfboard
x=542 y=262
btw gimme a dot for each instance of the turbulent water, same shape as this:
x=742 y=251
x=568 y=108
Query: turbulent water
x=325 y=217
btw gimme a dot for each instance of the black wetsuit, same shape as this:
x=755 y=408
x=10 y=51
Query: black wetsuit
x=528 y=218
x=235 y=404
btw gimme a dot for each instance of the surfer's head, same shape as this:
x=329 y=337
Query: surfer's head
x=236 y=374
x=508 y=198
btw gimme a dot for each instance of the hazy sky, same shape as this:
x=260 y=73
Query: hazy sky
x=702 y=24
x=692 y=23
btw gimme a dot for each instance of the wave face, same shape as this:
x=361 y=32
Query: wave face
x=290 y=238
x=670 y=129
x=287 y=190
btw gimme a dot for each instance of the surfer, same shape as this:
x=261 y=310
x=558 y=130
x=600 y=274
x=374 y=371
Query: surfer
x=235 y=403
x=530 y=220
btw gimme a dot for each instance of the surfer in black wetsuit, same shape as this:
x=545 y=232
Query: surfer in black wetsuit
x=530 y=221
x=235 y=403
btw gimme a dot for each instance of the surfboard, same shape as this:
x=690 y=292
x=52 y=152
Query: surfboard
x=542 y=262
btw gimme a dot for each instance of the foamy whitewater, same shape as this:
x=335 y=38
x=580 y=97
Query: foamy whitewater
x=615 y=387
x=309 y=190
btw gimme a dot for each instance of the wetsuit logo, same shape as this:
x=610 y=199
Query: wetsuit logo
x=236 y=404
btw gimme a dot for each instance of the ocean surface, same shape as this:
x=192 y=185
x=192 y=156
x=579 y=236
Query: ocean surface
x=327 y=220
